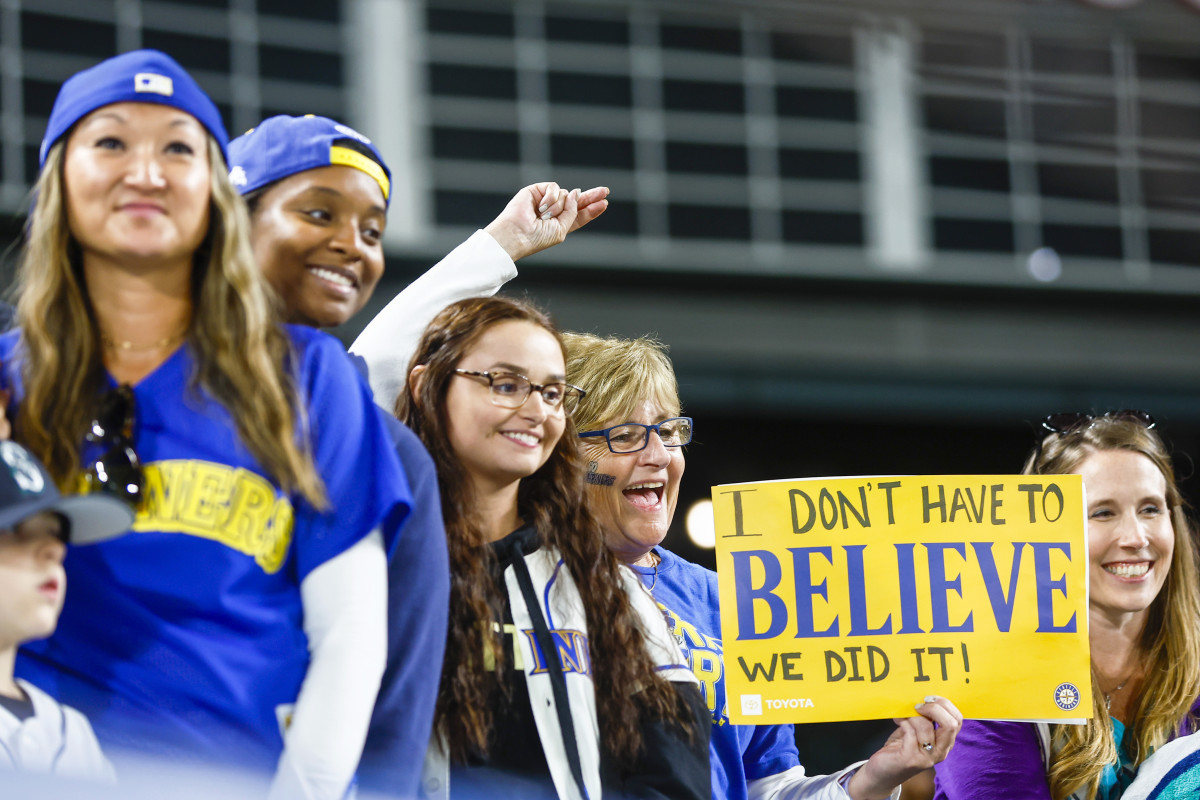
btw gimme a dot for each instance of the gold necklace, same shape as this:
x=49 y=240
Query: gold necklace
x=129 y=347
x=657 y=561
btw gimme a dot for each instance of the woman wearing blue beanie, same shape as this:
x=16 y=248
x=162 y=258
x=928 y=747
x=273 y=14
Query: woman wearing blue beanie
x=242 y=622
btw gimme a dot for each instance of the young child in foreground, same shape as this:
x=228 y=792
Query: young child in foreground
x=37 y=734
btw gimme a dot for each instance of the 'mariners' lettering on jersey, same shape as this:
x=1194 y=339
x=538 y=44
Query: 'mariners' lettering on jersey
x=705 y=655
x=573 y=652
x=233 y=506
x=572 y=648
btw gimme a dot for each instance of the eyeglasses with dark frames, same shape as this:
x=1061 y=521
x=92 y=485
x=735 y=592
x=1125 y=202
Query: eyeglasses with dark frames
x=510 y=390
x=118 y=471
x=632 y=437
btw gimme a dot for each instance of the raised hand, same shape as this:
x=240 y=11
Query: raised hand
x=542 y=214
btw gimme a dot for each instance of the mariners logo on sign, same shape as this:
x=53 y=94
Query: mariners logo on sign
x=1066 y=696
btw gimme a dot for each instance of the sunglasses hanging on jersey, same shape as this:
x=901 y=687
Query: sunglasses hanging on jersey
x=118 y=471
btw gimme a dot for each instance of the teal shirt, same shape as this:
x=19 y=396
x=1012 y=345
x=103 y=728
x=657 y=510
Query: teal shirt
x=1117 y=777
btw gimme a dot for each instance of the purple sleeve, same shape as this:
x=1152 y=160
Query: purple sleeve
x=993 y=761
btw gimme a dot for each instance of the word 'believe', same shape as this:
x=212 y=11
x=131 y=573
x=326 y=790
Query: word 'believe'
x=1001 y=599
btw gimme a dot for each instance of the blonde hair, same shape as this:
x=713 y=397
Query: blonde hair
x=619 y=375
x=242 y=355
x=1170 y=642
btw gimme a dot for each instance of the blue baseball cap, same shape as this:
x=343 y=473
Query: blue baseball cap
x=27 y=489
x=140 y=76
x=282 y=146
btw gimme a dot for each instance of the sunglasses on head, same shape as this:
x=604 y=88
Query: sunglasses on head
x=1068 y=422
x=118 y=471
x=1071 y=421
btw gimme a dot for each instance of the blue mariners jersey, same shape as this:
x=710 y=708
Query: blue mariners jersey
x=185 y=636
x=687 y=593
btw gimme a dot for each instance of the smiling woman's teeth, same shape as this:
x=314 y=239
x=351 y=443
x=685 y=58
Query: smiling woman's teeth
x=651 y=485
x=332 y=277
x=524 y=438
x=1128 y=570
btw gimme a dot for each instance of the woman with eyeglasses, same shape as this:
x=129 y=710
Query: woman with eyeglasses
x=561 y=679
x=1143 y=626
x=243 y=620
x=632 y=436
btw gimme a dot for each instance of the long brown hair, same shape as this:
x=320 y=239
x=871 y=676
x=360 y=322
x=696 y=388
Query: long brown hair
x=626 y=684
x=241 y=353
x=1170 y=642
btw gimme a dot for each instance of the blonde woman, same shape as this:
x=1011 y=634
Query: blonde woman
x=1143 y=622
x=243 y=621
x=633 y=436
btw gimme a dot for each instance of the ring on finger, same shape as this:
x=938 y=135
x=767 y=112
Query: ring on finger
x=927 y=747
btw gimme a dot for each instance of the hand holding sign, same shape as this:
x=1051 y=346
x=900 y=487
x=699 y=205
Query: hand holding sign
x=917 y=744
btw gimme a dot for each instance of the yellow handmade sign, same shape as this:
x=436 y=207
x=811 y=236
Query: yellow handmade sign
x=854 y=598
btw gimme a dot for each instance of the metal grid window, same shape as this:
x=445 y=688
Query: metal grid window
x=1086 y=146
x=754 y=139
x=254 y=58
x=758 y=127
x=708 y=129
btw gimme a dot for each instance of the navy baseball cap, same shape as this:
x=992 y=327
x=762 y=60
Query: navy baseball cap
x=140 y=76
x=282 y=146
x=27 y=489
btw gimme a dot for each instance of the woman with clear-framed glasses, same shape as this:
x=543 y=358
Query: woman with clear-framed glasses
x=633 y=435
x=241 y=623
x=1143 y=626
x=561 y=679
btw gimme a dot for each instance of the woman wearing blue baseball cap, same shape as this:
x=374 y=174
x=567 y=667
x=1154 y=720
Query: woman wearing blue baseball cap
x=318 y=193
x=243 y=620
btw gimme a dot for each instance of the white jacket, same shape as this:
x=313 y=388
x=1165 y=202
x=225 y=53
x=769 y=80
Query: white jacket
x=476 y=268
x=559 y=601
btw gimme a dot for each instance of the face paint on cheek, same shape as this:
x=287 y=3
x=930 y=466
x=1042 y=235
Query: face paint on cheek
x=598 y=478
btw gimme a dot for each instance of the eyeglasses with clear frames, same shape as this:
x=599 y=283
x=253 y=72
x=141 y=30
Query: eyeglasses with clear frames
x=510 y=390
x=631 y=437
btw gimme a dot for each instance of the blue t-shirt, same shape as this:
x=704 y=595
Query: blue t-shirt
x=184 y=637
x=687 y=593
